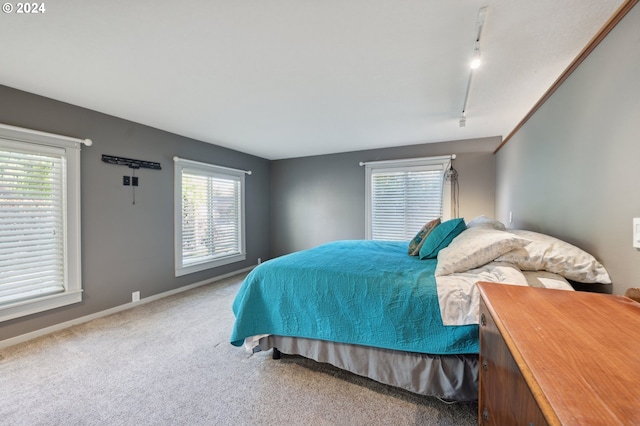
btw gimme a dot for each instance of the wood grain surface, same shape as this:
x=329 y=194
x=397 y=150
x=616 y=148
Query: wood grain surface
x=578 y=352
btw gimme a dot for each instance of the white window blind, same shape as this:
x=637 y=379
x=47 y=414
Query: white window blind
x=403 y=195
x=39 y=221
x=31 y=225
x=209 y=216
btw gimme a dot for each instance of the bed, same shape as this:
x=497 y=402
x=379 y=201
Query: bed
x=410 y=321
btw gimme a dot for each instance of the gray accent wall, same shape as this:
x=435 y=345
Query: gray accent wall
x=573 y=170
x=127 y=247
x=322 y=198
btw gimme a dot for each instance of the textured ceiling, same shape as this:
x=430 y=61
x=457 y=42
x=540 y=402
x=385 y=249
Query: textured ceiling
x=291 y=78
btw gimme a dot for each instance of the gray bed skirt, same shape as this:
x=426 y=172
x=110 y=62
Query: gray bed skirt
x=450 y=377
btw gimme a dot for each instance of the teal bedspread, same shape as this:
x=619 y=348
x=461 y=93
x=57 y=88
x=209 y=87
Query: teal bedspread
x=359 y=292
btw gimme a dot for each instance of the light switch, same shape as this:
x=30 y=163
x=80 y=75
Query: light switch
x=636 y=232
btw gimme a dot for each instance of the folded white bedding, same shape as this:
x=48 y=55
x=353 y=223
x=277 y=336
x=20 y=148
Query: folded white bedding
x=459 y=296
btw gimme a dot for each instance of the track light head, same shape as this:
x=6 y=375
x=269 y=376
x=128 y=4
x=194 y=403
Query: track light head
x=476 y=60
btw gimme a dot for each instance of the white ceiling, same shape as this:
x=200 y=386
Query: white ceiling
x=291 y=78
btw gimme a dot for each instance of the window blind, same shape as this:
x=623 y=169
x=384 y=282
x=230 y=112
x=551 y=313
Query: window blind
x=403 y=201
x=210 y=217
x=403 y=195
x=32 y=224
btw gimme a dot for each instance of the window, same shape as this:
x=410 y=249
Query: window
x=209 y=216
x=39 y=222
x=403 y=195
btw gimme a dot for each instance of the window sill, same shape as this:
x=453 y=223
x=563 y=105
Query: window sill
x=32 y=306
x=189 y=269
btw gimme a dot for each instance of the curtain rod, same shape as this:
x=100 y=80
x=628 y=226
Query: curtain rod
x=11 y=130
x=404 y=160
x=198 y=163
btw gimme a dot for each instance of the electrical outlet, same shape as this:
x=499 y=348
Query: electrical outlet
x=126 y=180
x=134 y=181
x=135 y=296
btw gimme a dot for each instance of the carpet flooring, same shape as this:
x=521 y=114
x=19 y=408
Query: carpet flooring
x=169 y=362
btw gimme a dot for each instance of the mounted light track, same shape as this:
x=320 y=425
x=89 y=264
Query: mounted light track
x=475 y=63
x=476 y=60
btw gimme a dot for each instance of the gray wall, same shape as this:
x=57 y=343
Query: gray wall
x=126 y=247
x=322 y=198
x=573 y=170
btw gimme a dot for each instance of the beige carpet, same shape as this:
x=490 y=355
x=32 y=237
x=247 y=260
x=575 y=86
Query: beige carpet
x=169 y=362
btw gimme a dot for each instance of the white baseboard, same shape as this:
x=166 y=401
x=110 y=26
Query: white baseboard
x=57 y=327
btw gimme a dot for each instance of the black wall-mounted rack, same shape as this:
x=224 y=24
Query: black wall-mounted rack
x=134 y=164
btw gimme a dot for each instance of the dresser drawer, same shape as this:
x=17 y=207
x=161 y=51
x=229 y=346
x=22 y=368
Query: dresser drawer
x=504 y=397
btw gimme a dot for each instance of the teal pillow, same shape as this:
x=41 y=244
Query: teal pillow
x=440 y=237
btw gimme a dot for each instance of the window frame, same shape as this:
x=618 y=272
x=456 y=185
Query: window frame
x=31 y=140
x=210 y=170
x=413 y=164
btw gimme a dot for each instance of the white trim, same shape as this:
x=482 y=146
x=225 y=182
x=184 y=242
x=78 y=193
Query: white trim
x=181 y=165
x=219 y=261
x=408 y=164
x=11 y=136
x=33 y=306
x=52 y=329
x=410 y=161
x=367 y=198
x=447 y=200
x=208 y=166
x=18 y=134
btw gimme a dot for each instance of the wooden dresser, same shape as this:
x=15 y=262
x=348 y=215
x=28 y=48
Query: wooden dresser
x=558 y=357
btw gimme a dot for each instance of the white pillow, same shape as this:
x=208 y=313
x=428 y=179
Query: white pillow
x=484 y=222
x=547 y=253
x=476 y=247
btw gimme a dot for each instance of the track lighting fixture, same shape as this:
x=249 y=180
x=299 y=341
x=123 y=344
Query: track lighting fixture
x=476 y=60
x=474 y=64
